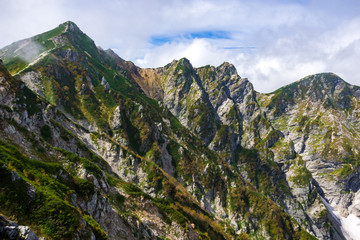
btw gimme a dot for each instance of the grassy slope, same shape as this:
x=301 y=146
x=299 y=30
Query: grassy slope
x=245 y=200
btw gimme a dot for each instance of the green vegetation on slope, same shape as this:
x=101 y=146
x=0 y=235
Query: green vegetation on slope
x=39 y=193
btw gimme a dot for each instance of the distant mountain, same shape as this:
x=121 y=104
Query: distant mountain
x=94 y=147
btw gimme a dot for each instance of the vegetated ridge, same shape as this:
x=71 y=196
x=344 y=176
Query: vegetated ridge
x=93 y=146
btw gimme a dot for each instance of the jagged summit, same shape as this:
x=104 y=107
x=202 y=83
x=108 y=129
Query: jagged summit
x=319 y=87
x=67 y=37
x=326 y=89
x=173 y=152
x=70 y=28
x=228 y=68
x=327 y=79
x=71 y=25
x=182 y=61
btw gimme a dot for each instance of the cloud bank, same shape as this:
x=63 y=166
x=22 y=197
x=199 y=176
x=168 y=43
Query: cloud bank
x=272 y=43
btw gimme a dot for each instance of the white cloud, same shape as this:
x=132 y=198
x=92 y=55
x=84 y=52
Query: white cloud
x=22 y=19
x=279 y=61
x=199 y=51
x=29 y=50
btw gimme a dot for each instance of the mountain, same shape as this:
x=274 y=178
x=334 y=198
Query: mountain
x=94 y=147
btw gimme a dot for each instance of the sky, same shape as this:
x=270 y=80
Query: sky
x=272 y=42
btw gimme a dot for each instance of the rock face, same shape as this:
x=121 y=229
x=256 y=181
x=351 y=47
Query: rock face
x=223 y=110
x=105 y=149
x=319 y=114
x=12 y=231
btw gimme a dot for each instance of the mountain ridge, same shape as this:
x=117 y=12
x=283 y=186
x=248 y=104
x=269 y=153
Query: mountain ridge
x=233 y=162
x=70 y=26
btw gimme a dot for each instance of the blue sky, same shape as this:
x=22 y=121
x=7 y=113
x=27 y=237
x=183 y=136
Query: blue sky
x=272 y=42
x=210 y=34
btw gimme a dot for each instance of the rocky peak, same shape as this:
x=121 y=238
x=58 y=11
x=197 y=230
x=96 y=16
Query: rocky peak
x=184 y=64
x=325 y=88
x=180 y=62
x=71 y=27
x=227 y=74
x=227 y=68
x=181 y=72
x=185 y=61
x=72 y=36
x=236 y=88
x=322 y=81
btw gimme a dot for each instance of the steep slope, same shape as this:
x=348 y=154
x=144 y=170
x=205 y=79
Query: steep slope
x=63 y=194
x=77 y=128
x=320 y=116
x=222 y=109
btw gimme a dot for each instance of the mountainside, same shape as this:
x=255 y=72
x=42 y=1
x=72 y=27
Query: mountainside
x=320 y=116
x=94 y=147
